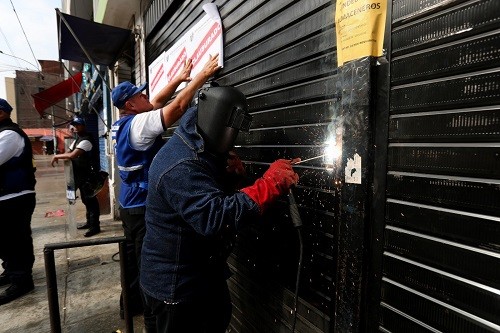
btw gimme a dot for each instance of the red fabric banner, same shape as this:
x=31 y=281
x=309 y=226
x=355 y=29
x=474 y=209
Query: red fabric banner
x=57 y=93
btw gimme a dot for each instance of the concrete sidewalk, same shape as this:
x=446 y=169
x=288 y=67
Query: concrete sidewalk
x=88 y=277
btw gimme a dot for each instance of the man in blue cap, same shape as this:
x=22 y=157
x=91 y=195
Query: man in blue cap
x=82 y=155
x=137 y=137
x=17 y=203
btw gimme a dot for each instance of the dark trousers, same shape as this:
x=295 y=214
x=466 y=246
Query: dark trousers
x=211 y=315
x=134 y=228
x=92 y=208
x=16 y=243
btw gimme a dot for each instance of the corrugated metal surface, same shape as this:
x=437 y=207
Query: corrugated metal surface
x=154 y=13
x=441 y=267
x=281 y=54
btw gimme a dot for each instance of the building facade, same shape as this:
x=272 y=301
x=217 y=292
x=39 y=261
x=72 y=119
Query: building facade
x=401 y=231
x=40 y=128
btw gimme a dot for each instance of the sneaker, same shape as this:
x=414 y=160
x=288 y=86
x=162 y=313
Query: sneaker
x=16 y=290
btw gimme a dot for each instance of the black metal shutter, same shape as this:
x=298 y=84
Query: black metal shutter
x=441 y=261
x=281 y=54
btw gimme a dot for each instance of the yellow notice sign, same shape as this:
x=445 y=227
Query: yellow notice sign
x=360 y=26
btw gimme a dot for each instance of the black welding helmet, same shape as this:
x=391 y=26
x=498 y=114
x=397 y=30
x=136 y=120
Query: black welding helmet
x=222 y=113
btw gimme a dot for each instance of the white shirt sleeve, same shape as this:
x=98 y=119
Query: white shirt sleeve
x=85 y=145
x=145 y=128
x=11 y=145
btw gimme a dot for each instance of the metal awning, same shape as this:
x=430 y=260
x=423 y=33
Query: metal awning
x=87 y=41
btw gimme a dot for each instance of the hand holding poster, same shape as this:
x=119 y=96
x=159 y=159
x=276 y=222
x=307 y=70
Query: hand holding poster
x=360 y=27
x=202 y=40
x=206 y=38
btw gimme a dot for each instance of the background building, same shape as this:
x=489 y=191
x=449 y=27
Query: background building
x=39 y=128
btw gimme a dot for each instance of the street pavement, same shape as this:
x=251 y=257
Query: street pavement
x=88 y=278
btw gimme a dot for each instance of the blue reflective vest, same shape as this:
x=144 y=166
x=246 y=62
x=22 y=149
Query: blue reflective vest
x=133 y=164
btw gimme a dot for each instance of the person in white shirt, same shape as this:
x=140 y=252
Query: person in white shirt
x=17 y=203
x=137 y=137
x=85 y=166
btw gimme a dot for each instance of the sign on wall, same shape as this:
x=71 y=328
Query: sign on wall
x=360 y=26
x=157 y=76
x=202 y=40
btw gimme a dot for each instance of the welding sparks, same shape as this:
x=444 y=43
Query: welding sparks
x=331 y=151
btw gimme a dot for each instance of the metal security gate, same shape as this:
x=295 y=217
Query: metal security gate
x=441 y=259
x=436 y=208
x=281 y=54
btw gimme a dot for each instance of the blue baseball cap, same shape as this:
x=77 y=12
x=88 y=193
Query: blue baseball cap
x=5 y=106
x=122 y=92
x=77 y=121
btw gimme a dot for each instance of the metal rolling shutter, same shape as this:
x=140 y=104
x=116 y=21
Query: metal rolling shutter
x=281 y=54
x=441 y=262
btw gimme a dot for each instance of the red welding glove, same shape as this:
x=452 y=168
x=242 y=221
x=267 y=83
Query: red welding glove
x=276 y=181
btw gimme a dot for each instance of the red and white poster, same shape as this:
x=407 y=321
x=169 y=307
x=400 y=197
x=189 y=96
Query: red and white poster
x=157 y=75
x=203 y=39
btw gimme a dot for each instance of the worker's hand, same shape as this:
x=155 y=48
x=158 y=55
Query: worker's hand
x=211 y=66
x=277 y=180
x=184 y=75
x=54 y=160
x=234 y=164
x=282 y=175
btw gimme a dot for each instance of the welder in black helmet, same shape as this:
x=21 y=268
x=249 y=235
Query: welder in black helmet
x=192 y=214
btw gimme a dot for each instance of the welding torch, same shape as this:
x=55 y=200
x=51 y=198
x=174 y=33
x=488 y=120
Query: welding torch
x=309 y=159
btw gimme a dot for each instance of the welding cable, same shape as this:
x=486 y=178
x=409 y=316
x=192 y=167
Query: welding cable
x=297 y=223
x=114 y=257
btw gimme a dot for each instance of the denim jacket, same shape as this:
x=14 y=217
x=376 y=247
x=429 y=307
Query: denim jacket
x=191 y=218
